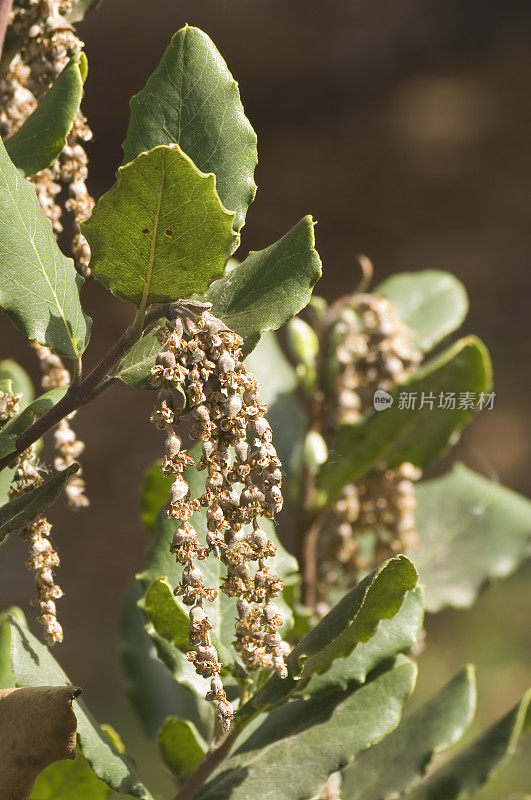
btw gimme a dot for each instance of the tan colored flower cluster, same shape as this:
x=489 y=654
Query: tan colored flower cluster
x=67 y=445
x=243 y=483
x=373 y=350
x=42 y=555
x=9 y=406
x=48 y=42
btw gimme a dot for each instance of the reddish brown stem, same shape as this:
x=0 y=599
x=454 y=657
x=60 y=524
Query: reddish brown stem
x=5 y=10
x=213 y=758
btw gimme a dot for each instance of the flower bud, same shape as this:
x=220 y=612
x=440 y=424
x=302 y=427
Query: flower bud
x=302 y=341
x=315 y=452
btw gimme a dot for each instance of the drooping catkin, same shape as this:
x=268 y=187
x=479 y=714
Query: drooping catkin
x=42 y=558
x=68 y=447
x=371 y=349
x=48 y=41
x=243 y=483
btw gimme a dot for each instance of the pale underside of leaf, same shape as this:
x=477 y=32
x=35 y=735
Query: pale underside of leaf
x=472 y=530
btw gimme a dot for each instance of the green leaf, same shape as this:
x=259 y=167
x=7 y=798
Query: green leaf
x=393 y=636
x=354 y=619
x=397 y=434
x=154 y=494
x=69 y=780
x=151 y=689
x=181 y=745
x=43 y=135
x=400 y=761
x=471 y=531
x=169 y=617
x=27 y=416
x=22 y=383
x=270 y=286
x=299 y=745
x=222 y=613
x=39 y=287
x=192 y=99
x=472 y=767
x=25 y=507
x=161 y=233
x=33 y=665
x=134 y=369
x=432 y=303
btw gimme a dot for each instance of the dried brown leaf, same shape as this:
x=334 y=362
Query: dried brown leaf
x=37 y=727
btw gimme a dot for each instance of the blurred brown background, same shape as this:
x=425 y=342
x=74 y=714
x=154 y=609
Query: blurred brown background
x=405 y=129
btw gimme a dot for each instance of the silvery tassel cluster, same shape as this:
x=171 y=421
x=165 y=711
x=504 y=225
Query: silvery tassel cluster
x=42 y=557
x=371 y=349
x=48 y=42
x=68 y=447
x=201 y=357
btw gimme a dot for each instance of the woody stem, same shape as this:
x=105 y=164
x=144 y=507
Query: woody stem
x=211 y=760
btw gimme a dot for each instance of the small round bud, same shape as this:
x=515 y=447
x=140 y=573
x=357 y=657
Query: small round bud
x=241 y=450
x=166 y=358
x=179 y=489
x=198 y=617
x=303 y=342
x=259 y=539
x=261 y=426
x=207 y=653
x=315 y=452
x=234 y=404
x=192 y=576
x=226 y=363
x=173 y=446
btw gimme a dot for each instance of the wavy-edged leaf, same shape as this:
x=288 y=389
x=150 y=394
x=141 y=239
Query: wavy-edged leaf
x=16 y=426
x=151 y=689
x=192 y=99
x=270 y=286
x=69 y=780
x=161 y=233
x=393 y=636
x=39 y=286
x=400 y=761
x=400 y=434
x=471 y=531
x=354 y=619
x=476 y=764
x=432 y=303
x=25 y=507
x=294 y=751
x=181 y=745
x=38 y=142
x=260 y=294
x=33 y=665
